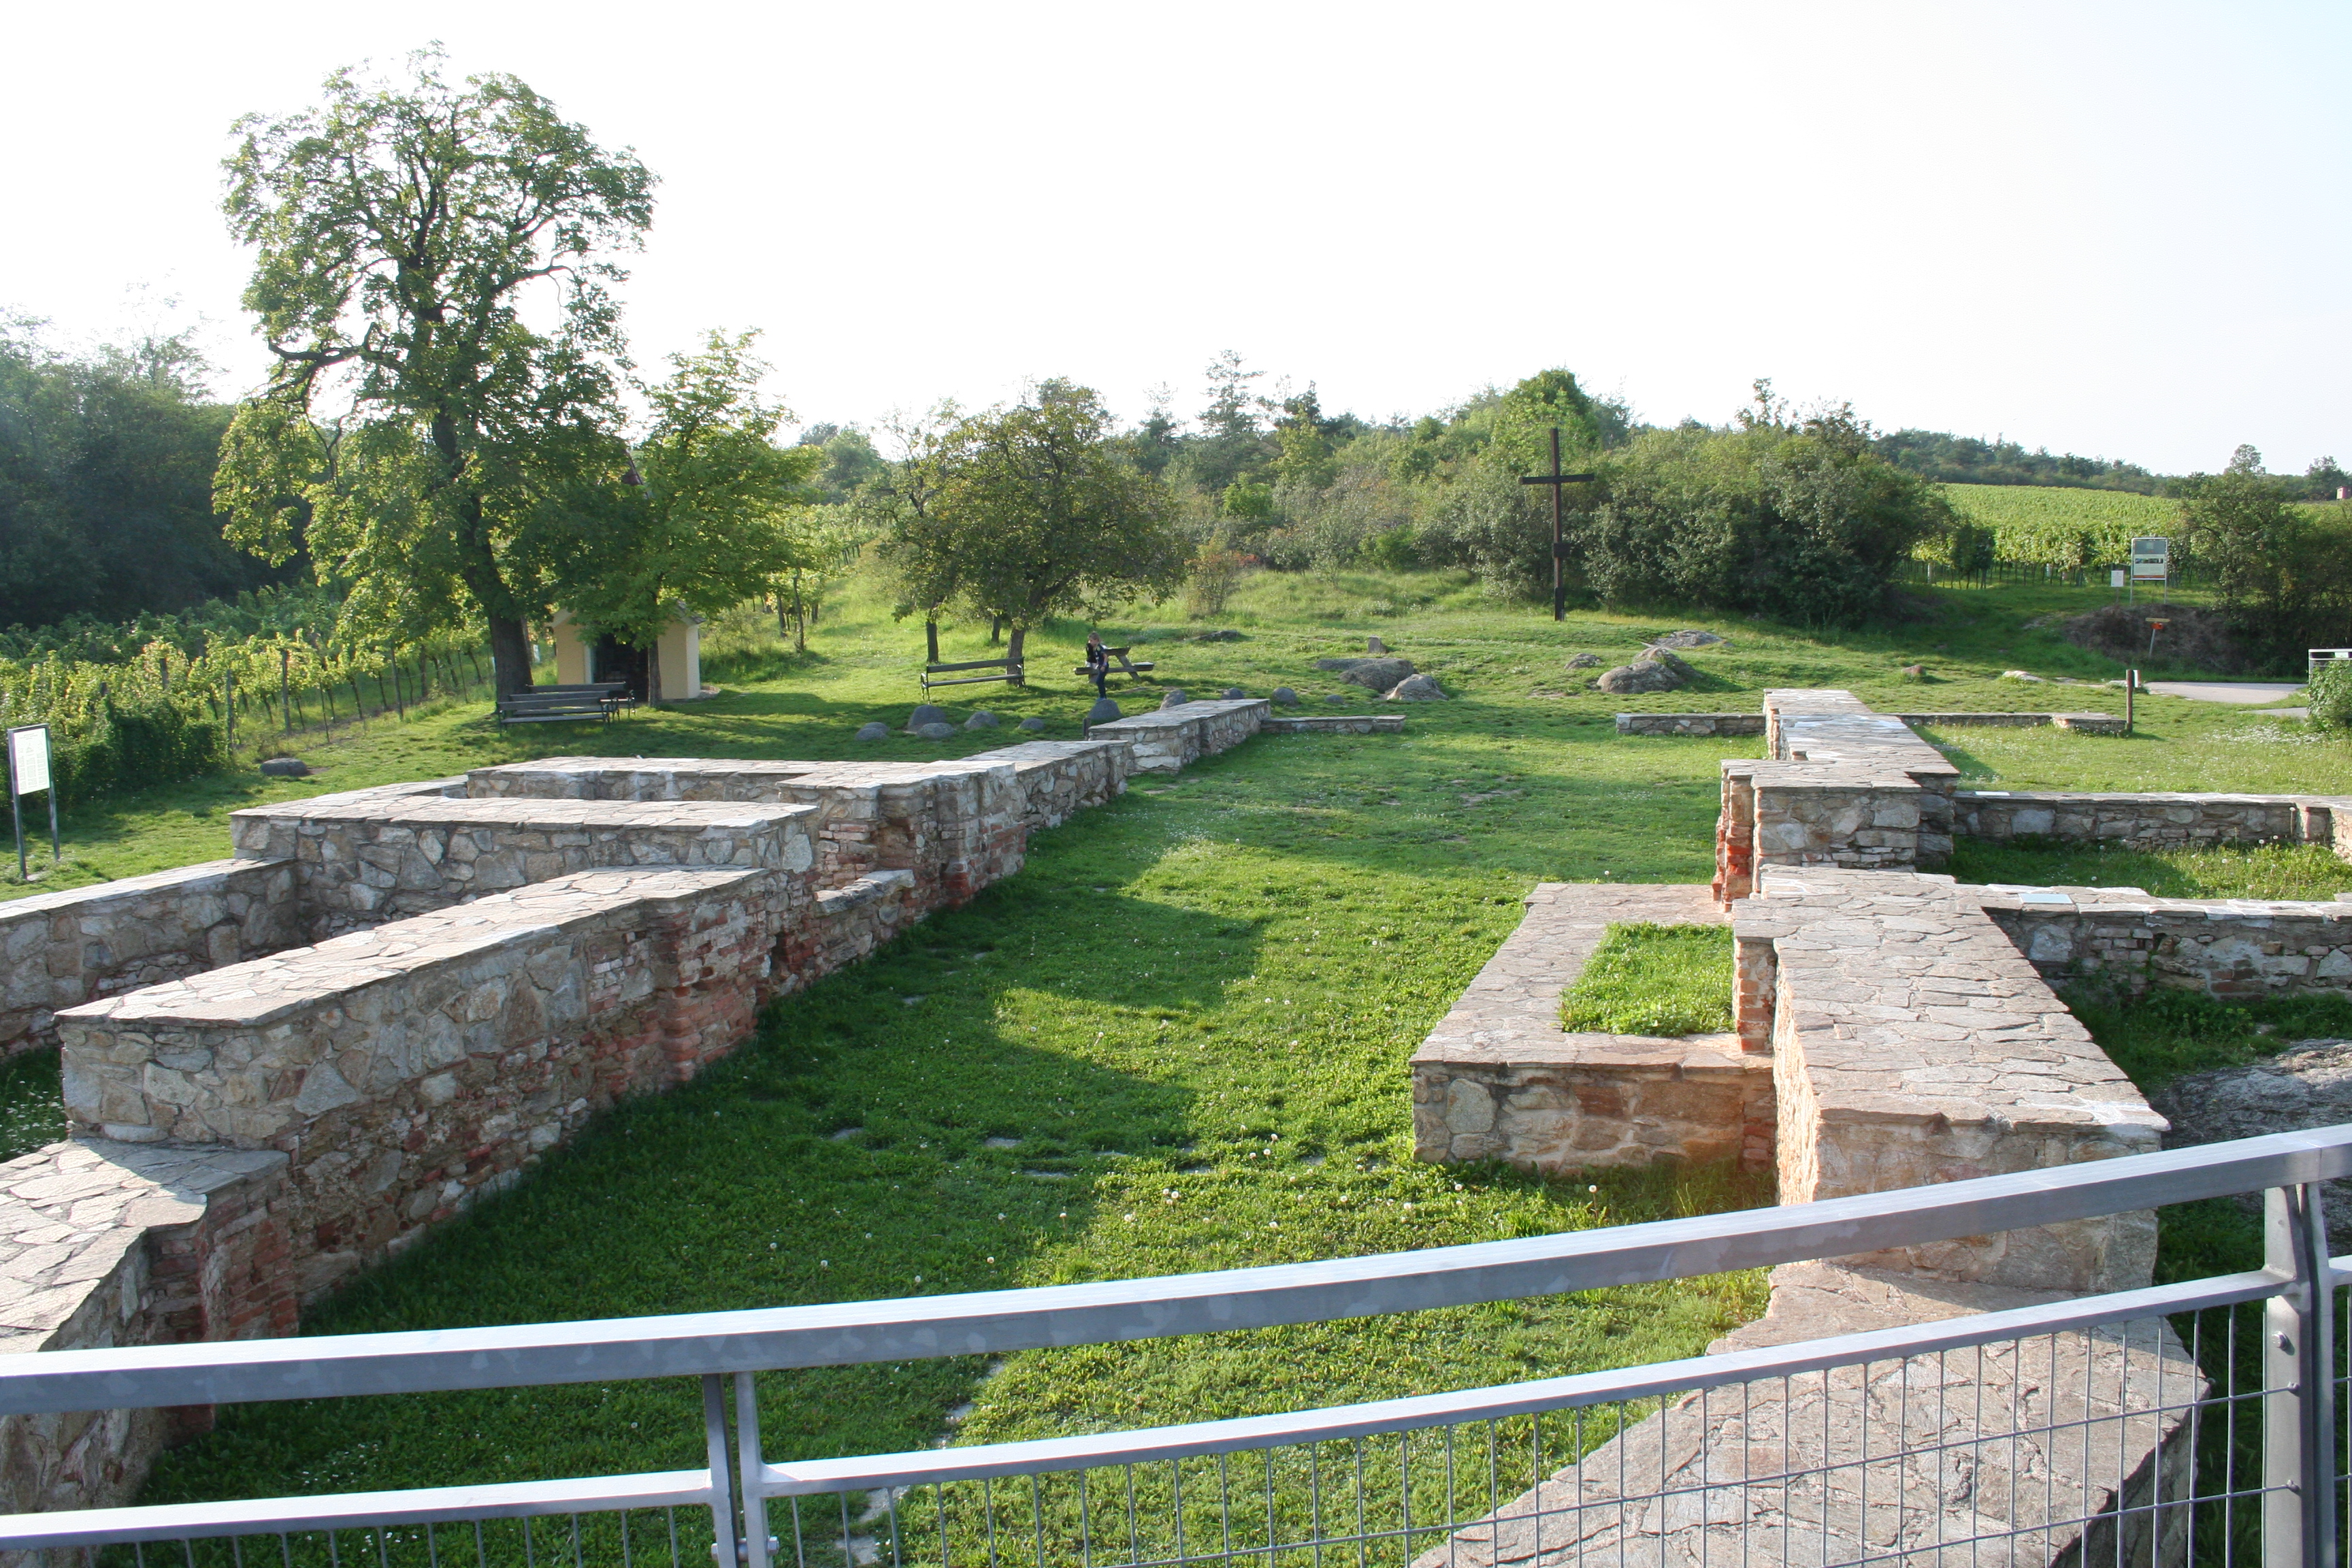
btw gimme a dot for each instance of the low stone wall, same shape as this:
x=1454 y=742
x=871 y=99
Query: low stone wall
x=1500 y=1078
x=66 y=947
x=956 y=824
x=404 y=1069
x=1690 y=723
x=1840 y=785
x=2230 y=948
x=1167 y=738
x=1335 y=724
x=2081 y=723
x=112 y=1244
x=2151 y=821
x=359 y=863
x=1913 y=1045
x=1058 y=779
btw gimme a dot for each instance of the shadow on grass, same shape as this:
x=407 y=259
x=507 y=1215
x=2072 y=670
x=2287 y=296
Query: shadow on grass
x=852 y=1153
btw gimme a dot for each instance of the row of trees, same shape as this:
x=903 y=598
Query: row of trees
x=106 y=469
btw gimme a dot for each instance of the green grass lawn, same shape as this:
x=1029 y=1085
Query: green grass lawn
x=1650 y=979
x=1176 y=1040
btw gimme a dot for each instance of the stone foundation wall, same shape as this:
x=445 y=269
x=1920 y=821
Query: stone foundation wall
x=406 y=1069
x=1167 y=739
x=1058 y=779
x=1500 y=1078
x=1913 y=1045
x=113 y=1245
x=2152 y=821
x=1690 y=724
x=66 y=947
x=2081 y=723
x=1335 y=724
x=2233 y=949
x=359 y=863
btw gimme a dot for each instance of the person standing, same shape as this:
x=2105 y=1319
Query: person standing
x=1099 y=663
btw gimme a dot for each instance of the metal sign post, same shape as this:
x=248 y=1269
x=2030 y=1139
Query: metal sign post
x=29 y=771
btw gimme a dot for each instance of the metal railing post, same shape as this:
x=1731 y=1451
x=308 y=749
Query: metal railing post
x=722 y=1490
x=757 y=1545
x=2298 y=1384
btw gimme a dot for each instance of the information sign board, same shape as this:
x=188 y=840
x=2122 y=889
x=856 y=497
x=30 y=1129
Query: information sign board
x=28 y=759
x=2151 y=558
x=29 y=773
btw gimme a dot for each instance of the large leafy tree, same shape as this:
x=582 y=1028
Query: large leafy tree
x=1033 y=510
x=433 y=278
x=708 y=514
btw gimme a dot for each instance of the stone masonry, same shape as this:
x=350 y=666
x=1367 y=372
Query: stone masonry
x=1166 y=740
x=493 y=959
x=405 y=1069
x=1500 y=1078
x=62 y=949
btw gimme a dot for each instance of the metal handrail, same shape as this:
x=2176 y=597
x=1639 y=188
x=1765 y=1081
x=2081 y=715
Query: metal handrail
x=847 y=1333
x=715 y=1344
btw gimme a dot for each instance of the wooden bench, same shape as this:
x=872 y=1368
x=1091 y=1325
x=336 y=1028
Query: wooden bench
x=1007 y=670
x=1119 y=664
x=562 y=704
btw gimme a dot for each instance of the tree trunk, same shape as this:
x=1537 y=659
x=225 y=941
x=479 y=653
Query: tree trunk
x=995 y=630
x=932 y=640
x=1013 y=652
x=783 y=622
x=510 y=654
x=653 y=673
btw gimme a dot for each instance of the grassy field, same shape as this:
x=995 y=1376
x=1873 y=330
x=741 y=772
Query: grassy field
x=1176 y=1040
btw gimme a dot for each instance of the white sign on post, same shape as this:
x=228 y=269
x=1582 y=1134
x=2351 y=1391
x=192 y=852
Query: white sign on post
x=29 y=773
x=2116 y=578
x=28 y=759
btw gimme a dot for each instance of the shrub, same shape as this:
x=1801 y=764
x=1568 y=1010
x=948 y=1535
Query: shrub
x=2330 y=696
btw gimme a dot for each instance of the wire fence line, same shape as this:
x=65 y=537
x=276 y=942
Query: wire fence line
x=2194 y=1422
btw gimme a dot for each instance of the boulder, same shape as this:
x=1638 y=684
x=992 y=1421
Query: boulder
x=877 y=731
x=2020 y=675
x=1174 y=698
x=1374 y=647
x=937 y=732
x=1235 y=694
x=1224 y=634
x=1416 y=689
x=286 y=768
x=925 y=714
x=2307 y=1085
x=1693 y=638
x=1377 y=674
x=1032 y=724
x=1915 y=672
x=1585 y=661
x=1663 y=672
x=1103 y=712
x=1337 y=697
x=982 y=718
x=1285 y=698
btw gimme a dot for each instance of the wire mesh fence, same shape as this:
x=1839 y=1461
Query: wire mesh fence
x=2201 y=1422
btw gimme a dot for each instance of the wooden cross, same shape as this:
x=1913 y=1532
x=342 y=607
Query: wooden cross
x=1558 y=539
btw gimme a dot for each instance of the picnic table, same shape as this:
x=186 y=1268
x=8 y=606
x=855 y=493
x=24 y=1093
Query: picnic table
x=1119 y=664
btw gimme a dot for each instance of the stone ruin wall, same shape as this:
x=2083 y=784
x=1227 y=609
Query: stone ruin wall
x=254 y=1119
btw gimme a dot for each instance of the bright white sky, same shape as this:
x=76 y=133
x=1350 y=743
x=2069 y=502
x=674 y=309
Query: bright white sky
x=2118 y=230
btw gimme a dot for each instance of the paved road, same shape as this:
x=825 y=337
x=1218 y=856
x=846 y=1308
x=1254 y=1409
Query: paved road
x=2248 y=691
